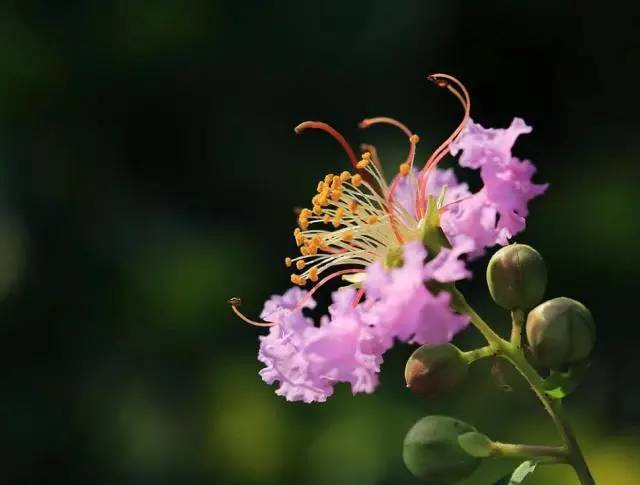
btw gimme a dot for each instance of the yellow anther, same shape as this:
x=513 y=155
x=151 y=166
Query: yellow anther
x=362 y=163
x=326 y=218
x=353 y=206
x=328 y=178
x=339 y=212
x=356 y=180
x=300 y=264
x=313 y=274
x=317 y=240
x=299 y=237
x=305 y=213
x=336 y=194
x=320 y=186
x=366 y=156
x=414 y=139
x=347 y=236
x=312 y=249
x=404 y=168
x=317 y=210
x=344 y=176
x=336 y=222
x=298 y=280
x=336 y=182
x=303 y=223
x=304 y=250
x=287 y=262
x=372 y=219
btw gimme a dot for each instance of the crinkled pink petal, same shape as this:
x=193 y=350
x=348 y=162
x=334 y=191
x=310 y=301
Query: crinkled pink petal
x=307 y=361
x=401 y=307
x=497 y=211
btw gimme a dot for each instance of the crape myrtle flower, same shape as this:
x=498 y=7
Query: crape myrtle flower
x=371 y=234
x=497 y=211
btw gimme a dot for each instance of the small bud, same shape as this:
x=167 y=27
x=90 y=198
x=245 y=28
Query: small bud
x=434 y=369
x=561 y=332
x=432 y=451
x=517 y=277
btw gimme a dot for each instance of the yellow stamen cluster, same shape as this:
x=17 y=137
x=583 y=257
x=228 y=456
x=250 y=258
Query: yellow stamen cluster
x=348 y=223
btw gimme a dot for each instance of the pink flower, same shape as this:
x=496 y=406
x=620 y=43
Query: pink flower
x=307 y=361
x=401 y=307
x=283 y=350
x=497 y=211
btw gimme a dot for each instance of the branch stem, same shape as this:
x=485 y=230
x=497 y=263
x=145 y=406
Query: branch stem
x=512 y=352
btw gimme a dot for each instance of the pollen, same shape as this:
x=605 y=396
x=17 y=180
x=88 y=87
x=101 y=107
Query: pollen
x=404 y=169
x=313 y=274
x=414 y=139
x=343 y=225
x=298 y=280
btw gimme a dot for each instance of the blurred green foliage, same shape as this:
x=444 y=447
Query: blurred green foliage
x=149 y=171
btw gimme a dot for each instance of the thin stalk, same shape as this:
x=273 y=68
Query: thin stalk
x=529 y=451
x=517 y=322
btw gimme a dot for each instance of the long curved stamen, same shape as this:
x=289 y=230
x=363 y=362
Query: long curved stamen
x=334 y=133
x=367 y=122
x=442 y=81
x=235 y=302
x=322 y=282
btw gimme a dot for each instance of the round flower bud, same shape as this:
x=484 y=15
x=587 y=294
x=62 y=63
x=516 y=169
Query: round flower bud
x=434 y=369
x=560 y=332
x=517 y=277
x=432 y=451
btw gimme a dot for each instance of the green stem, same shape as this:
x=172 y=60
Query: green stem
x=517 y=322
x=477 y=354
x=514 y=354
x=529 y=451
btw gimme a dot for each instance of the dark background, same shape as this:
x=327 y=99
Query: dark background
x=149 y=171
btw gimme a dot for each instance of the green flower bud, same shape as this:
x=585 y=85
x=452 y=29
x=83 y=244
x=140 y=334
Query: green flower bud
x=434 y=369
x=517 y=277
x=560 y=332
x=432 y=452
